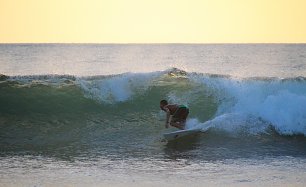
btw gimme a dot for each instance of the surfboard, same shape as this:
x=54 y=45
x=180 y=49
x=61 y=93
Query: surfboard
x=181 y=133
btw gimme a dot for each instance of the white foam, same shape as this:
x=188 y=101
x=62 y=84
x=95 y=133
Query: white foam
x=233 y=123
x=286 y=110
x=281 y=103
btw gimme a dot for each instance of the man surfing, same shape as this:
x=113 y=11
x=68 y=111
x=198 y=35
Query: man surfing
x=176 y=114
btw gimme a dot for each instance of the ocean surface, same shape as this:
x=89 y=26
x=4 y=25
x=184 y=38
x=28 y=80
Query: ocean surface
x=88 y=114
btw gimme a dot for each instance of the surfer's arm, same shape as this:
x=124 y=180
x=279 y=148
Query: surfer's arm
x=169 y=121
x=168 y=117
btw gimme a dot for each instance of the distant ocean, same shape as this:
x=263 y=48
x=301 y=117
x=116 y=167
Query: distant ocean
x=88 y=114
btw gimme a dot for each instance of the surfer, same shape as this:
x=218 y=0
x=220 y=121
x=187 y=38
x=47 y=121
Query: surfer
x=176 y=114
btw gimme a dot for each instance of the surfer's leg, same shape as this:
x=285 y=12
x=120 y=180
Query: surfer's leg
x=178 y=124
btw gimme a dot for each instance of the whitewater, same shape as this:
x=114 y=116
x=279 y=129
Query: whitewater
x=91 y=113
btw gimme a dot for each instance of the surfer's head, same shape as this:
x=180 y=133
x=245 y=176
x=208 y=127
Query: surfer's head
x=163 y=103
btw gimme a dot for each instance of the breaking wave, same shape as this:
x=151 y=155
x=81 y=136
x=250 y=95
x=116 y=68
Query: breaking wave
x=219 y=102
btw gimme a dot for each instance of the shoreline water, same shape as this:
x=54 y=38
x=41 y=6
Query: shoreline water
x=225 y=173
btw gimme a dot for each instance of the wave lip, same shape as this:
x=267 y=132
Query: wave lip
x=117 y=88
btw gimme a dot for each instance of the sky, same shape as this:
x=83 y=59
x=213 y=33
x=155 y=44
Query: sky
x=152 y=21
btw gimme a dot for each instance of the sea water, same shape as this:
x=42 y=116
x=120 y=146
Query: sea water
x=88 y=114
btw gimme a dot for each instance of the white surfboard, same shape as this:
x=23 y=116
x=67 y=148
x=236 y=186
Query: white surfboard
x=181 y=133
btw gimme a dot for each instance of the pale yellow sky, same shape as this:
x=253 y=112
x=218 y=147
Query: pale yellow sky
x=153 y=21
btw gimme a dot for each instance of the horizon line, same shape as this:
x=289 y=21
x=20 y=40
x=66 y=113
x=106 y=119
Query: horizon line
x=150 y=43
